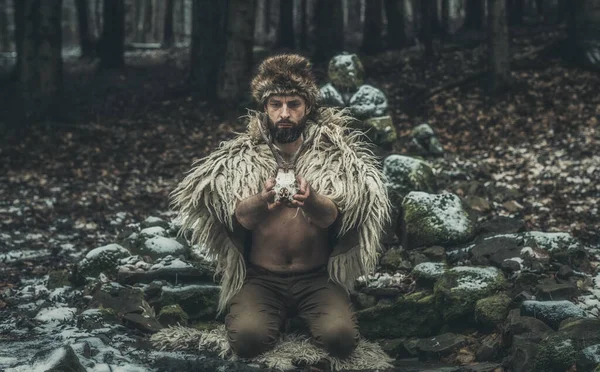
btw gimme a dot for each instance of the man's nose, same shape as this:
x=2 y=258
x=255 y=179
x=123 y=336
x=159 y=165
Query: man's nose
x=285 y=113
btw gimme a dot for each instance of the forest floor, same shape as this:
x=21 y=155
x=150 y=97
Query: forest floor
x=127 y=137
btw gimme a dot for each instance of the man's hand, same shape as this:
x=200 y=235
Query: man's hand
x=304 y=194
x=268 y=194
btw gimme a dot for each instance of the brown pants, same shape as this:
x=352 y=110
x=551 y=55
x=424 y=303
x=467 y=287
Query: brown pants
x=258 y=312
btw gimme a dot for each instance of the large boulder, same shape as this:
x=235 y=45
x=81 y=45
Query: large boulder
x=346 y=72
x=368 y=102
x=491 y=311
x=551 y=312
x=412 y=315
x=405 y=174
x=459 y=289
x=436 y=219
x=101 y=259
x=199 y=301
x=555 y=354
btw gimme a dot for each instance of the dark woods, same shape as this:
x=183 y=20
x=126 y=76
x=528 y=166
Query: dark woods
x=226 y=38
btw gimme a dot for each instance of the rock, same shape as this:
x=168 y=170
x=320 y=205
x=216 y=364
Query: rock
x=559 y=245
x=58 y=279
x=395 y=347
x=588 y=358
x=435 y=253
x=199 y=301
x=154 y=221
x=435 y=219
x=459 y=288
x=329 y=96
x=502 y=225
x=417 y=257
x=494 y=250
x=582 y=331
x=491 y=311
x=160 y=246
x=551 y=312
x=151 y=232
x=364 y=301
x=144 y=323
x=477 y=203
x=135 y=270
x=413 y=315
x=368 y=102
x=556 y=291
x=555 y=354
x=483 y=367
x=523 y=325
x=439 y=346
x=381 y=130
x=96 y=318
x=121 y=299
x=346 y=72
x=523 y=353
x=395 y=259
x=405 y=174
x=57 y=360
x=101 y=259
x=489 y=349
x=56 y=314
x=172 y=315
x=424 y=138
x=564 y=272
x=428 y=272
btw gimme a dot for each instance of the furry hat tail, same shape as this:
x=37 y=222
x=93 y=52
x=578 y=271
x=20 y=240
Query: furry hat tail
x=285 y=74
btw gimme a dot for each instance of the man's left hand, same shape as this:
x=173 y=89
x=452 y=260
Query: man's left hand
x=305 y=193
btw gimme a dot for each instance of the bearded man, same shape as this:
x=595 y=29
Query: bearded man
x=297 y=255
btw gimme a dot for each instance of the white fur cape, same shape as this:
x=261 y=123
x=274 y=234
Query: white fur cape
x=339 y=165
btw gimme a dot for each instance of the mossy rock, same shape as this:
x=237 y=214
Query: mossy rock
x=199 y=301
x=206 y=325
x=368 y=102
x=58 y=279
x=492 y=311
x=172 y=315
x=459 y=289
x=346 y=72
x=428 y=272
x=555 y=354
x=329 y=96
x=395 y=259
x=436 y=219
x=381 y=130
x=102 y=259
x=413 y=315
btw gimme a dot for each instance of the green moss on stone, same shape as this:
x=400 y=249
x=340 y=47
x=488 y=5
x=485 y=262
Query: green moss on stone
x=492 y=311
x=555 y=353
x=172 y=314
x=58 y=279
x=345 y=71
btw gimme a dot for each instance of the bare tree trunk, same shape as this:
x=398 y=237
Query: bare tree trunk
x=285 y=33
x=147 y=30
x=19 y=19
x=98 y=6
x=445 y=26
x=4 y=32
x=235 y=74
x=516 y=11
x=303 y=25
x=474 y=15
x=85 y=40
x=395 y=24
x=267 y=17
x=206 y=54
x=426 y=28
x=329 y=21
x=372 y=28
x=111 y=48
x=499 y=58
x=168 y=34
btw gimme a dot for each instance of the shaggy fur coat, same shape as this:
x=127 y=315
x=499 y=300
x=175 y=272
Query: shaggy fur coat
x=338 y=164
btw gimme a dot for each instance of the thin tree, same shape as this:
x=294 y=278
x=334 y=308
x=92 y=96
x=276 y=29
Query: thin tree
x=206 y=54
x=111 y=47
x=303 y=42
x=445 y=23
x=396 y=37
x=372 y=28
x=498 y=52
x=285 y=32
x=516 y=9
x=19 y=20
x=474 y=15
x=427 y=28
x=329 y=21
x=83 y=24
x=40 y=54
x=237 y=67
x=4 y=32
x=168 y=30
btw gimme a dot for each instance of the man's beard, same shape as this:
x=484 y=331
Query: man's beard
x=287 y=135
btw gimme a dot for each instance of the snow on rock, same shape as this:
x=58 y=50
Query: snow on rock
x=102 y=258
x=476 y=278
x=551 y=312
x=590 y=302
x=436 y=219
x=151 y=232
x=160 y=246
x=552 y=241
x=405 y=174
x=368 y=102
x=382 y=280
x=429 y=270
x=57 y=314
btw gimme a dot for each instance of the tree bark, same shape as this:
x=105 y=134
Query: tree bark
x=147 y=30
x=445 y=24
x=498 y=53
x=4 y=32
x=426 y=27
x=267 y=17
x=85 y=40
x=19 y=19
x=474 y=15
x=168 y=34
x=329 y=21
x=372 y=28
x=303 y=42
x=111 y=48
x=206 y=54
x=235 y=74
x=516 y=11
x=285 y=32
x=396 y=36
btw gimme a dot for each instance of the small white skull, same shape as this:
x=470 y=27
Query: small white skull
x=286 y=185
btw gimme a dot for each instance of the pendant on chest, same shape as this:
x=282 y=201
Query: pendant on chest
x=286 y=185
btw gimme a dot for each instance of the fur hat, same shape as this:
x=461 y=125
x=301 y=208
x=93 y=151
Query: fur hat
x=285 y=74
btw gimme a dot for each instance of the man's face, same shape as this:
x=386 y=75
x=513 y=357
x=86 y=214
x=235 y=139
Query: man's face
x=287 y=117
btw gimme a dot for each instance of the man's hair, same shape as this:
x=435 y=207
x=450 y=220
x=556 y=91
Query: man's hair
x=285 y=74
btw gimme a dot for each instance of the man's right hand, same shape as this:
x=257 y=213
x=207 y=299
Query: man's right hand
x=268 y=194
